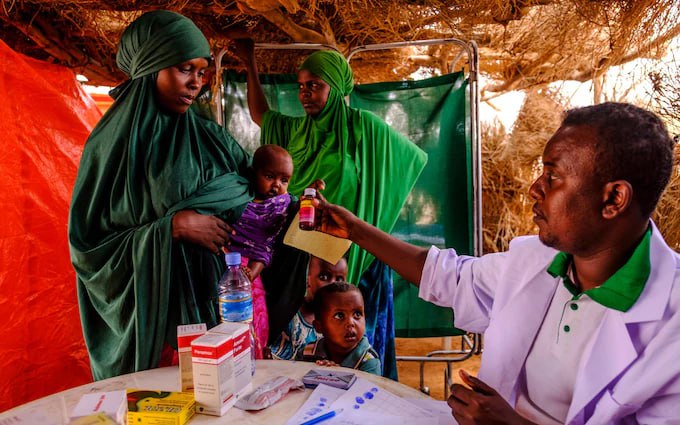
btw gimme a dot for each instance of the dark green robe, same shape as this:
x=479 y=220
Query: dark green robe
x=140 y=166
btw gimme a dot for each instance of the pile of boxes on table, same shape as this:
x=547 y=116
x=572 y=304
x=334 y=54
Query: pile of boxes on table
x=216 y=369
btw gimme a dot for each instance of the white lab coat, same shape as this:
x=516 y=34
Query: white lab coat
x=629 y=372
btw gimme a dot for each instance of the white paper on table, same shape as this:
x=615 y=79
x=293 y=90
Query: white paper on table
x=318 y=402
x=369 y=398
x=369 y=418
x=438 y=408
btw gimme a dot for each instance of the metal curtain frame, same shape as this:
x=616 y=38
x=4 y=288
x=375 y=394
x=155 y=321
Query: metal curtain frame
x=470 y=343
x=468 y=48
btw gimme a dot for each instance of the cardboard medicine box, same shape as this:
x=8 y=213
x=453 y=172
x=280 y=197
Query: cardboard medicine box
x=186 y=334
x=213 y=358
x=243 y=362
x=111 y=403
x=159 y=407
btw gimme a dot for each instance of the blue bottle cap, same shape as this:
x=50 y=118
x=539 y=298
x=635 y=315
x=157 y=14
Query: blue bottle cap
x=233 y=258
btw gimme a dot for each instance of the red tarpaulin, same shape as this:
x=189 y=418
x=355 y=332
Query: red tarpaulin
x=45 y=118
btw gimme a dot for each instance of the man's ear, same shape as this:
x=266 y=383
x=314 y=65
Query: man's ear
x=617 y=198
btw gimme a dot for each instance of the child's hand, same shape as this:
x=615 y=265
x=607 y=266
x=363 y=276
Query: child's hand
x=253 y=269
x=248 y=272
x=326 y=363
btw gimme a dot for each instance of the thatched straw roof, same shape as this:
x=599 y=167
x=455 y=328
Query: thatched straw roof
x=523 y=43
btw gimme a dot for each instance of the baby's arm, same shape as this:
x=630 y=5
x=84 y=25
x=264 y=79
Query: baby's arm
x=254 y=269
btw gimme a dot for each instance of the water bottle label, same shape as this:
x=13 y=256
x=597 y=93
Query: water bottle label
x=236 y=308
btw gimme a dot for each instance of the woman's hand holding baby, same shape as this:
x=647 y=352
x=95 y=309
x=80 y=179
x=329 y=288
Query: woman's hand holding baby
x=207 y=231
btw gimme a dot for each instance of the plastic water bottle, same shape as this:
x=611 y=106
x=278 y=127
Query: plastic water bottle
x=236 y=298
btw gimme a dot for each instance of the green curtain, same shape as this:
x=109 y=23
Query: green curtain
x=434 y=114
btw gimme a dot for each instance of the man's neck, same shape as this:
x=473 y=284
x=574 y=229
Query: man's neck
x=592 y=270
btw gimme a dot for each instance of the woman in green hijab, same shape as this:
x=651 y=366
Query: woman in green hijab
x=369 y=168
x=156 y=188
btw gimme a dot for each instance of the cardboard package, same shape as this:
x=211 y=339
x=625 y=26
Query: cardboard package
x=146 y=407
x=186 y=334
x=243 y=359
x=112 y=403
x=213 y=357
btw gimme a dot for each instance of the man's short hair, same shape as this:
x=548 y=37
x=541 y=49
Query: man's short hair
x=633 y=145
x=325 y=292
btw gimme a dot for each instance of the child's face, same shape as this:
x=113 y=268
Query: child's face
x=342 y=322
x=271 y=178
x=322 y=273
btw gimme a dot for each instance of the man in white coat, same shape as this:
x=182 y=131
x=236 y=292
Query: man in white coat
x=581 y=323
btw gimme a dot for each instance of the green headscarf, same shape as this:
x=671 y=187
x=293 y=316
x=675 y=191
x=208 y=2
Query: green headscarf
x=369 y=167
x=157 y=40
x=332 y=67
x=139 y=166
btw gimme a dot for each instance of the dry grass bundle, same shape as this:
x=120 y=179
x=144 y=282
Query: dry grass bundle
x=504 y=210
x=523 y=43
x=510 y=163
x=666 y=215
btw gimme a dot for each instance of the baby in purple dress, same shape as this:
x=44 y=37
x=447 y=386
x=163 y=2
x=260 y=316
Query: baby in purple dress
x=260 y=224
x=264 y=217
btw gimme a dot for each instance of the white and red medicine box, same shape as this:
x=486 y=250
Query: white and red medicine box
x=243 y=366
x=212 y=356
x=112 y=403
x=186 y=334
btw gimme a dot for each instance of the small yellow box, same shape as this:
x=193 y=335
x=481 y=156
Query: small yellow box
x=159 y=407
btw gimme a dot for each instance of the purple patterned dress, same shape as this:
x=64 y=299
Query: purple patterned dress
x=256 y=233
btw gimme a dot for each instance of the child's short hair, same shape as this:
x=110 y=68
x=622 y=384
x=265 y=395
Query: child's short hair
x=264 y=154
x=323 y=293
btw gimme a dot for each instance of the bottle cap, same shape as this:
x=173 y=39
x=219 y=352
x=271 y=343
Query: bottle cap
x=310 y=191
x=233 y=258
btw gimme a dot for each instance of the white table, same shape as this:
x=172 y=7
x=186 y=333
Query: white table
x=58 y=406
